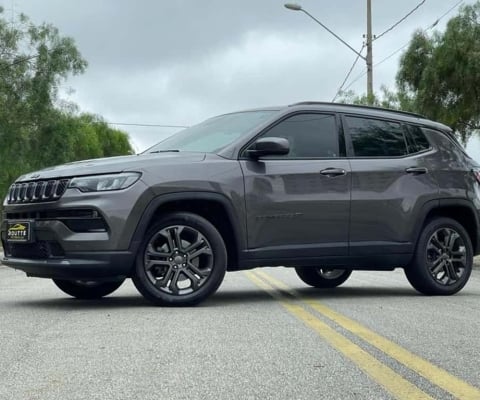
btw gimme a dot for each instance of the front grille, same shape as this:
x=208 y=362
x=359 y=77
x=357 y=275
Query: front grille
x=40 y=250
x=36 y=192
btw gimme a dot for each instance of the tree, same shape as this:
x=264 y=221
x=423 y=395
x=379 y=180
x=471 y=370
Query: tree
x=35 y=131
x=439 y=74
x=69 y=136
x=386 y=99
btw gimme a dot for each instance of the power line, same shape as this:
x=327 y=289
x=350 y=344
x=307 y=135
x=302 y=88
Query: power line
x=400 y=20
x=431 y=26
x=19 y=61
x=348 y=74
x=355 y=80
x=150 y=125
x=446 y=13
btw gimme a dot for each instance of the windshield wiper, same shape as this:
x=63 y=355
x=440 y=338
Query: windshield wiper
x=165 y=151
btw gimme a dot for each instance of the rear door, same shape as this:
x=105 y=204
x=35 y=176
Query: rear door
x=298 y=205
x=391 y=181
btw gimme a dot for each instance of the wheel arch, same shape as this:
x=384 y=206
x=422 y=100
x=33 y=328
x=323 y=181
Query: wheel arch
x=214 y=207
x=461 y=210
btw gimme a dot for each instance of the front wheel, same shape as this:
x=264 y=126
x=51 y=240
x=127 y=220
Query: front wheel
x=181 y=261
x=323 y=278
x=87 y=289
x=443 y=259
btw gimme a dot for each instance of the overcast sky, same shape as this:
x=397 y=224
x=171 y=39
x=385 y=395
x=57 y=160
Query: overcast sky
x=178 y=62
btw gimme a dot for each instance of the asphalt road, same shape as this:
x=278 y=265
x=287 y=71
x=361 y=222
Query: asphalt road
x=264 y=335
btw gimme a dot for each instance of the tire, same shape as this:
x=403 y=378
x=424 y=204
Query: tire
x=323 y=278
x=443 y=258
x=181 y=261
x=87 y=289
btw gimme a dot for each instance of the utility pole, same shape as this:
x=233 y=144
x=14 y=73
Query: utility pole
x=369 y=41
x=369 y=59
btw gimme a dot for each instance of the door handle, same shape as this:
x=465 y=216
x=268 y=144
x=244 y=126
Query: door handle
x=416 y=170
x=331 y=172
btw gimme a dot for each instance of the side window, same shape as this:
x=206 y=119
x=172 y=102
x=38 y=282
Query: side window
x=416 y=140
x=376 y=138
x=310 y=135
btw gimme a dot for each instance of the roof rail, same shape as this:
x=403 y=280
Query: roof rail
x=325 y=103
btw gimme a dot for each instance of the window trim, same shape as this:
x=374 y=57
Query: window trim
x=339 y=129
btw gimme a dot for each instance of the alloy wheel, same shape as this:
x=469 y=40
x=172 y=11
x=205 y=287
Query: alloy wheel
x=178 y=260
x=446 y=256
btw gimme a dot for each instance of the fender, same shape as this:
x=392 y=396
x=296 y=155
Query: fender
x=448 y=202
x=238 y=233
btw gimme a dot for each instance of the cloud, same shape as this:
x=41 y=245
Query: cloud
x=181 y=61
x=264 y=68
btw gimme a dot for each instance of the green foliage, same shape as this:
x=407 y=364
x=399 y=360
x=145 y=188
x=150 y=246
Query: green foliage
x=386 y=99
x=439 y=75
x=34 y=131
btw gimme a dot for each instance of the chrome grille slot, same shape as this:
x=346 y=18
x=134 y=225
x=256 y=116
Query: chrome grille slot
x=37 y=191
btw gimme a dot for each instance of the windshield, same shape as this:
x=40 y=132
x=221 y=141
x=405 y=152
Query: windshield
x=213 y=134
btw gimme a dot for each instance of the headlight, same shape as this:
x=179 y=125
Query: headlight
x=102 y=183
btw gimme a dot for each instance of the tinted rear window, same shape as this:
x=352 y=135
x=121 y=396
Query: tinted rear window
x=376 y=138
x=416 y=140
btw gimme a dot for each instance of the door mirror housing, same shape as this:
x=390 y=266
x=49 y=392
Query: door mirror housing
x=268 y=146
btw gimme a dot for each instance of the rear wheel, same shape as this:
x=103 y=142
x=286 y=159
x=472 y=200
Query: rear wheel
x=443 y=258
x=181 y=261
x=321 y=277
x=82 y=289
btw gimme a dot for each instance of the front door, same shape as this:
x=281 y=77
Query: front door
x=298 y=205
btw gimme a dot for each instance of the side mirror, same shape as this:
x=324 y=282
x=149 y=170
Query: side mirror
x=269 y=146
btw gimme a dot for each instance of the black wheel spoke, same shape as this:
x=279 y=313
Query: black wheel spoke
x=176 y=237
x=459 y=257
x=203 y=249
x=446 y=237
x=451 y=272
x=156 y=263
x=167 y=235
x=435 y=241
x=173 y=286
x=162 y=283
x=153 y=253
x=438 y=266
x=452 y=239
x=435 y=246
x=198 y=243
x=194 y=280
x=197 y=271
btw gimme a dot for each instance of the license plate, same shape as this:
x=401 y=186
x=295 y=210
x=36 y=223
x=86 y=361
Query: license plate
x=19 y=231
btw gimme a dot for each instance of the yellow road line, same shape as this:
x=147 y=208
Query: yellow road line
x=394 y=383
x=429 y=371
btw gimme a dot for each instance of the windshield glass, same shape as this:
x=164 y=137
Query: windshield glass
x=213 y=134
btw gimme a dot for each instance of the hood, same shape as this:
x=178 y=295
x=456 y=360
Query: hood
x=112 y=165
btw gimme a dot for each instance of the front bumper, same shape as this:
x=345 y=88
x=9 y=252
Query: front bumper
x=85 y=266
x=79 y=236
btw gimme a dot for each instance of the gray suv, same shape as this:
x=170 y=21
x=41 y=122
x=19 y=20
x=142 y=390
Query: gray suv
x=323 y=188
